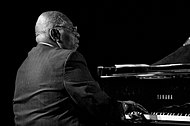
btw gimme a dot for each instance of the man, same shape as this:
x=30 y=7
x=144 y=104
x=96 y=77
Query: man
x=181 y=55
x=54 y=86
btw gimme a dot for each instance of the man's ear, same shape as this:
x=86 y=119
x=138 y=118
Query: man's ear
x=54 y=34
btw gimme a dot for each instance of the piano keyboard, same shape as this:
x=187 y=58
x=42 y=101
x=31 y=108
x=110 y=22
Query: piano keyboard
x=166 y=117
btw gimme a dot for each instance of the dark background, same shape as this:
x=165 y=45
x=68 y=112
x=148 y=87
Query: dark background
x=130 y=32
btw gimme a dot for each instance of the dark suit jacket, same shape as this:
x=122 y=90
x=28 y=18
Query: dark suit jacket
x=181 y=55
x=54 y=87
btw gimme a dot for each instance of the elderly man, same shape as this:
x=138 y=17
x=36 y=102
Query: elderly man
x=54 y=86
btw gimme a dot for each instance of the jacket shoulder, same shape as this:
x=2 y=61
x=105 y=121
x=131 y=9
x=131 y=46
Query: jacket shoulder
x=76 y=56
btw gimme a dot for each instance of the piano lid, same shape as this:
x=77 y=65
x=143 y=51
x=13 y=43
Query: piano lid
x=163 y=66
x=145 y=71
x=146 y=65
x=131 y=65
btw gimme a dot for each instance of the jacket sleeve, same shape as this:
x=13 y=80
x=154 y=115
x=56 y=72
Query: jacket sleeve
x=86 y=92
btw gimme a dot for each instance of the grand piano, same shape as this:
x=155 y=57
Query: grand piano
x=164 y=90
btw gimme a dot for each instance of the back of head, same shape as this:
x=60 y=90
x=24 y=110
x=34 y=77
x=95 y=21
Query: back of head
x=51 y=19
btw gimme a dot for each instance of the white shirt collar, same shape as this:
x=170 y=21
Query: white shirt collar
x=46 y=44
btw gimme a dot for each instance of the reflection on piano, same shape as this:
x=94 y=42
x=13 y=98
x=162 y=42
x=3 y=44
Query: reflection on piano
x=164 y=90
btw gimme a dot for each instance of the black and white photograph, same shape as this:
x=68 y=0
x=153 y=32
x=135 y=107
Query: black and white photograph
x=96 y=63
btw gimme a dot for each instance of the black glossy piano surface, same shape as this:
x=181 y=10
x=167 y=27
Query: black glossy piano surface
x=164 y=90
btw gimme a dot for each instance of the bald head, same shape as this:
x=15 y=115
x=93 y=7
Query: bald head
x=51 y=19
x=55 y=28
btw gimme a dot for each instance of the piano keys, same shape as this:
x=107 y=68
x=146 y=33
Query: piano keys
x=166 y=118
x=164 y=90
x=179 y=117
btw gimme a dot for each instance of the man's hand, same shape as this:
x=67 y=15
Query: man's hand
x=134 y=110
x=131 y=106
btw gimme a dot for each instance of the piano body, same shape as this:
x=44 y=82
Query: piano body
x=164 y=90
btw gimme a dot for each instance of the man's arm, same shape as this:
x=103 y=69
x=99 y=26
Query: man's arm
x=86 y=92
